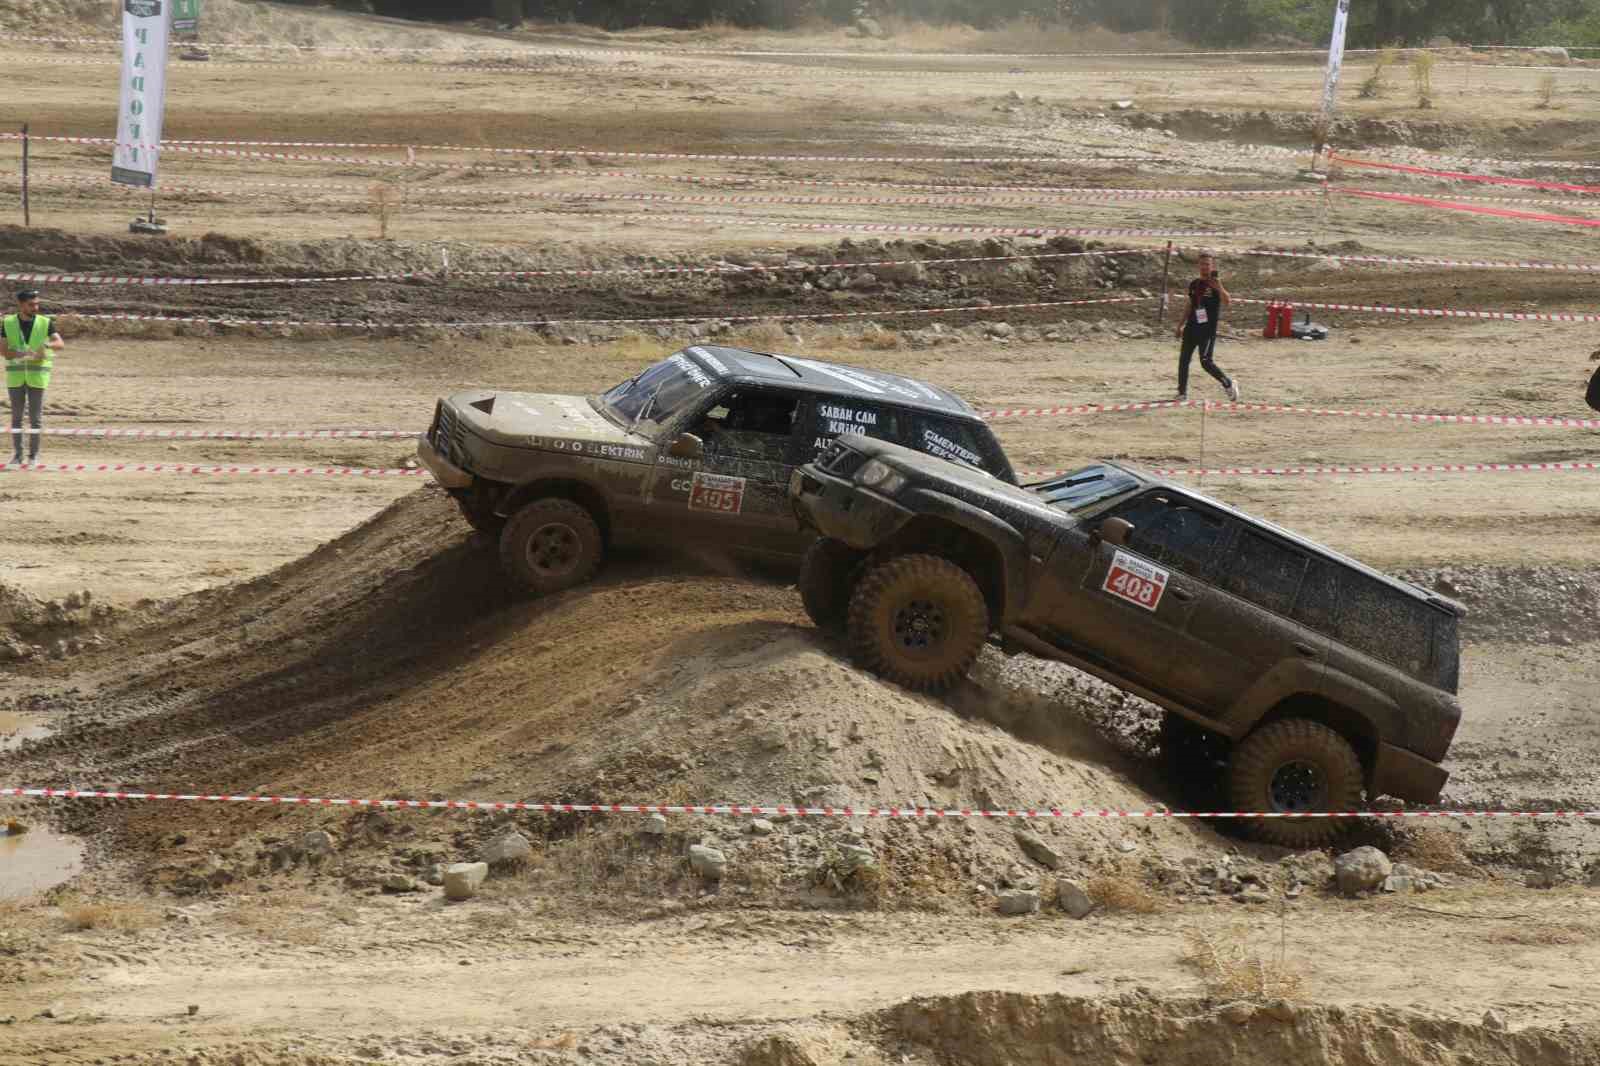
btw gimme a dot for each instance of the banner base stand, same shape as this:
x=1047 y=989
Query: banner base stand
x=148 y=225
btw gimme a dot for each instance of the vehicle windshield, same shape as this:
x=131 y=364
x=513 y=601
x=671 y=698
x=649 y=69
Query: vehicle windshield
x=1084 y=487
x=651 y=400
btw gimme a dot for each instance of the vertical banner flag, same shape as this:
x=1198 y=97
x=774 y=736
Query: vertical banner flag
x=144 y=92
x=186 y=17
x=1330 y=85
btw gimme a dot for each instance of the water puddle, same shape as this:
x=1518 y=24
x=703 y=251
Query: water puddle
x=15 y=728
x=35 y=860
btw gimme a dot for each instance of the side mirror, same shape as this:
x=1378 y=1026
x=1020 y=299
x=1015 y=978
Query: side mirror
x=1116 y=531
x=687 y=446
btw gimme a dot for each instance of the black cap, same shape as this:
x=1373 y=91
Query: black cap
x=27 y=294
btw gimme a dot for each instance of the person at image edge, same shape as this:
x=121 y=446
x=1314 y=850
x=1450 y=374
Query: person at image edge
x=31 y=341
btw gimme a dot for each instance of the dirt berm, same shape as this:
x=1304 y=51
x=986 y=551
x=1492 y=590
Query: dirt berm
x=392 y=662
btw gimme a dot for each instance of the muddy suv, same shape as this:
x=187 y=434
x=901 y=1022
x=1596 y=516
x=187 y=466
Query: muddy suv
x=1308 y=677
x=696 y=450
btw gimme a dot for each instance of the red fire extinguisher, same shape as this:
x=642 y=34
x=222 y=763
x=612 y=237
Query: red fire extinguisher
x=1285 y=320
x=1271 y=329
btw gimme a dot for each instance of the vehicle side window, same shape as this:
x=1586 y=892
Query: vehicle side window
x=749 y=424
x=828 y=417
x=1317 y=606
x=1174 y=533
x=1384 y=623
x=1265 y=572
x=948 y=439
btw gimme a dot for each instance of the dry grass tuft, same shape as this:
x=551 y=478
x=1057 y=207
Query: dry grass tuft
x=760 y=336
x=83 y=914
x=1422 y=64
x=636 y=346
x=878 y=339
x=290 y=915
x=1232 y=971
x=1436 y=849
x=1122 y=892
x=1547 y=92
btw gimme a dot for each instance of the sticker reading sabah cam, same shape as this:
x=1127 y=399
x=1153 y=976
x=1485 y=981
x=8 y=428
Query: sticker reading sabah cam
x=1131 y=578
x=716 y=493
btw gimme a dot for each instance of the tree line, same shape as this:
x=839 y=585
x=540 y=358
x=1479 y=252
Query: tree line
x=1373 y=23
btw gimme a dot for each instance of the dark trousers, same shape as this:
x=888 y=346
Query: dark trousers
x=1594 y=391
x=1205 y=341
x=25 y=396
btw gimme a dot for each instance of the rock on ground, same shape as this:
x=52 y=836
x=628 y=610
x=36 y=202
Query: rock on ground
x=1361 y=870
x=1073 y=899
x=1019 y=901
x=709 y=863
x=462 y=879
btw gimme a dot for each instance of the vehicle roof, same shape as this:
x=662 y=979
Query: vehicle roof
x=1152 y=481
x=745 y=367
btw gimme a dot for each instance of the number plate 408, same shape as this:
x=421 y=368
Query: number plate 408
x=1131 y=578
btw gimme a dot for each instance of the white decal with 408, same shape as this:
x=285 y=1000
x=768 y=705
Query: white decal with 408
x=1140 y=583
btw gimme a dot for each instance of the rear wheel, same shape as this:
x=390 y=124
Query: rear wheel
x=918 y=620
x=1295 y=766
x=826 y=580
x=550 y=545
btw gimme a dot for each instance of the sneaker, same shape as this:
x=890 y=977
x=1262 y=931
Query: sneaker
x=1233 y=391
x=16 y=460
x=1183 y=397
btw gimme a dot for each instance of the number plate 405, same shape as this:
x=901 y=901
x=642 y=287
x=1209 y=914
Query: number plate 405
x=1131 y=578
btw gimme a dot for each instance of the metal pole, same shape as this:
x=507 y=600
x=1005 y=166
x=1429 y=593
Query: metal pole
x=1166 y=274
x=27 y=214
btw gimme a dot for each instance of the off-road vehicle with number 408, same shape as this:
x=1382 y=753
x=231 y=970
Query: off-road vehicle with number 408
x=1304 y=677
x=695 y=451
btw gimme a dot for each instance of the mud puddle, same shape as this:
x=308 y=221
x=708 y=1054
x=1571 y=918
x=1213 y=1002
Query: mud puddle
x=35 y=859
x=16 y=728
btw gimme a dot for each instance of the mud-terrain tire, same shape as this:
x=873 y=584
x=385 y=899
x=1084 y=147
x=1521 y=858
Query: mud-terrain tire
x=550 y=545
x=479 y=517
x=1195 y=762
x=1295 y=765
x=827 y=577
x=918 y=620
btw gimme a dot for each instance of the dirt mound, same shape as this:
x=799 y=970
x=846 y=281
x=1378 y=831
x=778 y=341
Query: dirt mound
x=31 y=627
x=392 y=662
x=1006 y=1029
x=1541 y=605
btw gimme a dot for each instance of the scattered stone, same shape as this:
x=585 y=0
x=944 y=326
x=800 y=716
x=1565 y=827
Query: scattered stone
x=462 y=879
x=1542 y=879
x=1493 y=1019
x=194 y=1008
x=655 y=825
x=316 y=844
x=1126 y=846
x=760 y=827
x=400 y=883
x=1018 y=901
x=1254 y=894
x=1361 y=870
x=1072 y=898
x=708 y=863
x=1122 y=105
x=1239 y=1013
x=1553 y=54
x=1001 y=329
x=1014 y=96
x=1397 y=883
x=1036 y=849
x=434 y=875
x=508 y=849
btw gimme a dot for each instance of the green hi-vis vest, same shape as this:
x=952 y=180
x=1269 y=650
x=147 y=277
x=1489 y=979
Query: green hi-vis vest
x=33 y=369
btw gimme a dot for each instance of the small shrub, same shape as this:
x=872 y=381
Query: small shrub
x=81 y=915
x=1375 y=85
x=1232 y=971
x=1122 y=892
x=1422 y=64
x=1547 y=92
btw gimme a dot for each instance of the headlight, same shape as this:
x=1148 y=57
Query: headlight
x=881 y=476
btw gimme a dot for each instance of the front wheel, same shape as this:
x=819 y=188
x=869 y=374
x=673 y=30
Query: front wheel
x=550 y=545
x=919 y=620
x=1295 y=766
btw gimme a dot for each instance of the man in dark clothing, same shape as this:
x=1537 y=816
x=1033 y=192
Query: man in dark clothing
x=1207 y=298
x=30 y=343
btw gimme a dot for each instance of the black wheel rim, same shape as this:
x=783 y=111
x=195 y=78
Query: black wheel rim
x=919 y=627
x=1297 y=787
x=554 y=549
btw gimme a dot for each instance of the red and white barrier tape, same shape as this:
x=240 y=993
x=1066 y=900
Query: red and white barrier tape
x=593 y=152
x=189 y=468
x=1400 y=260
x=1476 y=209
x=538 y=322
x=1543 y=164
x=222 y=434
x=1506 y=421
x=1460 y=175
x=755 y=809
x=1433 y=312
x=99 y=279
x=1338 y=471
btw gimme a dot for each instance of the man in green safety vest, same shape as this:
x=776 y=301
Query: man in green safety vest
x=31 y=341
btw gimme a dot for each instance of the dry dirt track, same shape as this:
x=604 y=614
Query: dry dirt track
x=392 y=662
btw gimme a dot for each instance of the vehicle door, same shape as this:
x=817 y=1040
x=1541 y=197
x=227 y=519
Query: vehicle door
x=948 y=439
x=1244 y=633
x=825 y=417
x=739 y=486
x=1127 y=605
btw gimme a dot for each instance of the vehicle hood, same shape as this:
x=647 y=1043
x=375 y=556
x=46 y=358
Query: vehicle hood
x=538 y=420
x=960 y=480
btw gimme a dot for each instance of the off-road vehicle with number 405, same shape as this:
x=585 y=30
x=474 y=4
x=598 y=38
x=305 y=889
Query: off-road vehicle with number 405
x=1303 y=676
x=694 y=451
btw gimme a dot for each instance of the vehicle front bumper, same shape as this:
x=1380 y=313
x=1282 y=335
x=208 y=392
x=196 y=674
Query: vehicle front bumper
x=839 y=508
x=443 y=470
x=1406 y=775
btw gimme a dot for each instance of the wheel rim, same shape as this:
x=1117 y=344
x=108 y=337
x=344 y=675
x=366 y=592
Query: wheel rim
x=919 y=627
x=1297 y=787
x=554 y=549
